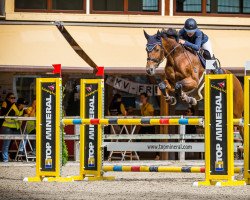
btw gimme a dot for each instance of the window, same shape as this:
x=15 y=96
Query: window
x=67 y=5
x=216 y=7
x=228 y=6
x=188 y=5
x=246 y=6
x=108 y=5
x=143 y=5
x=126 y=6
x=50 y=5
x=31 y=4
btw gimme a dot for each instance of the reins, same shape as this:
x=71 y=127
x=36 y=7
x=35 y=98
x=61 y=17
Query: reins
x=172 y=50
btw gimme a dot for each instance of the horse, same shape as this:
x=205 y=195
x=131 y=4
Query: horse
x=184 y=73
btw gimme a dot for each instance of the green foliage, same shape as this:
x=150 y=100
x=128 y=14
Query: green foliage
x=65 y=154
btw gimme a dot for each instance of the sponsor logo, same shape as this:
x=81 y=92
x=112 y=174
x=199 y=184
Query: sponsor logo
x=89 y=89
x=50 y=91
x=218 y=130
x=48 y=132
x=221 y=84
x=219 y=166
x=51 y=87
x=91 y=162
x=48 y=163
x=92 y=130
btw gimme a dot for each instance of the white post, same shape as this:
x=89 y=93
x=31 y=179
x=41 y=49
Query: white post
x=87 y=7
x=171 y=7
x=162 y=7
x=247 y=67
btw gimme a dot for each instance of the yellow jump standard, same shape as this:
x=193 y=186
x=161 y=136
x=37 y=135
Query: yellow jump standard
x=219 y=140
x=48 y=131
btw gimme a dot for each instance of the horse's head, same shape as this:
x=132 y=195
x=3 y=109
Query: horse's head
x=155 y=52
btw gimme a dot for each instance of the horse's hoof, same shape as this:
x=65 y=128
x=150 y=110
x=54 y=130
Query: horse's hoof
x=173 y=101
x=162 y=85
x=178 y=86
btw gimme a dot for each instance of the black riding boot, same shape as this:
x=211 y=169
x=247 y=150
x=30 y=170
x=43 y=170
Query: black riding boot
x=217 y=69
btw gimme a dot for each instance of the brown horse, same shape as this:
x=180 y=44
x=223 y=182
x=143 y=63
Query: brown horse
x=184 y=71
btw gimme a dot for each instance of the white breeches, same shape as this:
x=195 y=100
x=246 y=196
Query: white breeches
x=208 y=46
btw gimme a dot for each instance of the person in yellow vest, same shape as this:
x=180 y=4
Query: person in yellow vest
x=30 y=127
x=6 y=105
x=12 y=126
x=147 y=109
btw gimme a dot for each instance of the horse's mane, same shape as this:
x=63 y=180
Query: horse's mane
x=171 y=33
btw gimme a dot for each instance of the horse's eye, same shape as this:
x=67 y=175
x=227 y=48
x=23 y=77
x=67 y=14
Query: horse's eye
x=156 y=50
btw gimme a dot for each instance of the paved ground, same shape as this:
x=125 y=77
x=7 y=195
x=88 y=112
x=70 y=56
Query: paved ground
x=126 y=186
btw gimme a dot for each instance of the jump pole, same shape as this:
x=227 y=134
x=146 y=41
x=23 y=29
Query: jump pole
x=219 y=140
x=160 y=168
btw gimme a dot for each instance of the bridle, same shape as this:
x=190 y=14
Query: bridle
x=148 y=49
x=158 y=61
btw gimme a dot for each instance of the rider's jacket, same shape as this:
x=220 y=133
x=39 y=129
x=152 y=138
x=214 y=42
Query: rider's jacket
x=196 y=41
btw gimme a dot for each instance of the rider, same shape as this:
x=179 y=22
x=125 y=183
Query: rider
x=194 y=38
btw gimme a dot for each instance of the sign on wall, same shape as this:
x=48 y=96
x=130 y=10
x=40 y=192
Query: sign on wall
x=132 y=87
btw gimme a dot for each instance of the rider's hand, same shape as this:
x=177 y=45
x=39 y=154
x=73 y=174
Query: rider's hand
x=181 y=41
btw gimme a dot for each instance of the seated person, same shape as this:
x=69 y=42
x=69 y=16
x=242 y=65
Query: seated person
x=147 y=109
x=116 y=108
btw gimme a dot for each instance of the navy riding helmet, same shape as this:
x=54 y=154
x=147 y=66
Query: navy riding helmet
x=190 y=25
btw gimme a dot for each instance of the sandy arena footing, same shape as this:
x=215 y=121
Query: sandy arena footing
x=129 y=185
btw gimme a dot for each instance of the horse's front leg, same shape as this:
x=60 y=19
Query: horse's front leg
x=166 y=88
x=185 y=85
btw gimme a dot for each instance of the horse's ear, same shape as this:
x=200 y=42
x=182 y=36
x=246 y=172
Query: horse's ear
x=158 y=33
x=145 y=34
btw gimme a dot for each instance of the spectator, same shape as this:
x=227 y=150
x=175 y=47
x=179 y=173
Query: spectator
x=117 y=108
x=30 y=127
x=190 y=129
x=12 y=126
x=6 y=105
x=147 y=109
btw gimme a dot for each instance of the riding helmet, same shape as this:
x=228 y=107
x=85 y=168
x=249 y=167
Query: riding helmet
x=190 y=25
